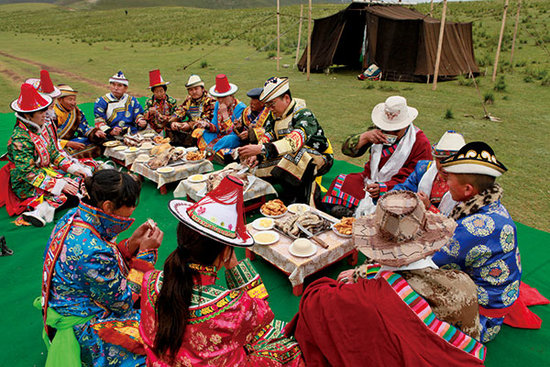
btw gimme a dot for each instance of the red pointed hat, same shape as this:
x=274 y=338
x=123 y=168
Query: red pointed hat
x=223 y=88
x=30 y=100
x=45 y=85
x=155 y=79
x=219 y=215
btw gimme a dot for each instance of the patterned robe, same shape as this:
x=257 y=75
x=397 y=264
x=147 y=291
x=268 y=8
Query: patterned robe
x=254 y=122
x=228 y=327
x=348 y=190
x=293 y=141
x=387 y=322
x=219 y=134
x=95 y=276
x=165 y=108
x=484 y=246
x=113 y=112
x=38 y=164
x=201 y=109
x=73 y=126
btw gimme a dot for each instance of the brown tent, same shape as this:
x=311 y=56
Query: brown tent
x=401 y=41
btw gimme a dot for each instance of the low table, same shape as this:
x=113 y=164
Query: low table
x=181 y=172
x=254 y=196
x=120 y=157
x=298 y=268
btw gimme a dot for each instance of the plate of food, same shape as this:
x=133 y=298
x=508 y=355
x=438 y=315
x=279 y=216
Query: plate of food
x=263 y=224
x=120 y=148
x=197 y=178
x=166 y=171
x=273 y=209
x=131 y=150
x=302 y=247
x=194 y=156
x=344 y=228
x=111 y=143
x=266 y=238
x=298 y=208
x=148 y=135
x=142 y=158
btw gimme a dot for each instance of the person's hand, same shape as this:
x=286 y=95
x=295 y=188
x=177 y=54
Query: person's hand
x=100 y=134
x=82 y=173
x=251 y=162
x=184 y=127
x=250 y=150
x=75 y=145
x=142 y=123
x=425 y=199
x=142 y=233
x=231 y=261
x=152 y=110
x=346 y=276
x=71 y=187
x=200 y=124
x=375 y=136
x=116 y=131
x=243 y=135
x=373 y=189
x=222 y=110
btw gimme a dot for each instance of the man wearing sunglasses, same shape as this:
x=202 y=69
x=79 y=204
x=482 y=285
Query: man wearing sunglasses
x=294 y=149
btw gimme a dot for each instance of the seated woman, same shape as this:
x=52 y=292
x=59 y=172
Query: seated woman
x=187 y=319
x=38 y=176
x=90 y=283
x=76 y=136
x=218 y=134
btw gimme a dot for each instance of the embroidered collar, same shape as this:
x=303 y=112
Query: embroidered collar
x=115 y=99
x=33 y=127
x=59 y=106
x=474 y=204
x=208 y=274
x=201 y=99
x=108 y=225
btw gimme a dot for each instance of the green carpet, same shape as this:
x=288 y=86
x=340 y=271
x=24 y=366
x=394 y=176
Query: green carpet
x=21 y=275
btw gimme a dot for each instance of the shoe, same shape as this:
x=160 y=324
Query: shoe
x=340 y=211
x=34 y=218
x=4 y=250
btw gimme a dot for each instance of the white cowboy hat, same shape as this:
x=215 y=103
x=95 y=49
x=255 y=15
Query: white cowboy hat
x=394 y=114
x=194 y=81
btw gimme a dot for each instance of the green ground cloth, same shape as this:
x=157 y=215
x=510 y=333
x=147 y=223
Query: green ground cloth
x=20 y=276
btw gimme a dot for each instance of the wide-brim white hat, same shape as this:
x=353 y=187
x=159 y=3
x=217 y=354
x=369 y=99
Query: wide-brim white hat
x=223 y=88
x=194 y=81
x=449 y=144
x=393 y=114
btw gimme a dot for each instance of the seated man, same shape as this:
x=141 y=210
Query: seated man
x=396 y=145
x=403 y=311
x=218 y=133
x=197 y=108
x=250 y=126
x=160 y=107
x=75 y=135
x=117 y=113
x=294 y=149
x=428 y=178
x=484 y=244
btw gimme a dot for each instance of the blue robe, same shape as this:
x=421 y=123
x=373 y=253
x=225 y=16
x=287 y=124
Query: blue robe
x=484 y=246
x=230 y=140
x=91 y=277
x=411 y=183
x=115 y=112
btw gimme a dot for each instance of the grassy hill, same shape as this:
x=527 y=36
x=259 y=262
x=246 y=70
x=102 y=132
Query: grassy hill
x=85 y=47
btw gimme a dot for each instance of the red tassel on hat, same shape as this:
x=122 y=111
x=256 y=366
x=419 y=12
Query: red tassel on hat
x=222 y=84
x=30 y=99
x=46 y=85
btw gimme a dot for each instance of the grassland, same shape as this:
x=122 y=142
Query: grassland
x=85 y=47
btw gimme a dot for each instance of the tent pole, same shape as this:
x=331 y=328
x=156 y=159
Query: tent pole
x=495 y=67
x=431 y=8
x=278 y=35
x=309 y=41
x=515 y=34
x=439 y=44
x=299 y=33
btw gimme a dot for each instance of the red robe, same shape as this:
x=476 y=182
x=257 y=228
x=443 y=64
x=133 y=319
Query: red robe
x=369 y=324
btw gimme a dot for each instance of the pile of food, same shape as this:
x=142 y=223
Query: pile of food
x=167 y=156
x=215 y=178
x=273 y=208
x=345 y=226
x=194 y=156
x=310 y=221
x=137 y=140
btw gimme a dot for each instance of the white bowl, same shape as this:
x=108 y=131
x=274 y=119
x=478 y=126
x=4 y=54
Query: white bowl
x=166 y=171
x=192 y=149
x=120 y=148
x=149 y=135
x=298 y=208
x=302 y=247
x=197 y=178
x=263 y=224
x=265 y=238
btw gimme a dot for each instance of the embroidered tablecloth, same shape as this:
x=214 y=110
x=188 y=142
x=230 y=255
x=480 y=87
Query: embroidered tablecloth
x=196 y=191
x=299 y=268
x=181 y=171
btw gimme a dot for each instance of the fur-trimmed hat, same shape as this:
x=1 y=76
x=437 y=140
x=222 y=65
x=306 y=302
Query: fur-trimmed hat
x=474 y=158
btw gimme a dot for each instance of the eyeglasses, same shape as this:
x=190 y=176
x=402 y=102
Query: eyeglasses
x=272 y=103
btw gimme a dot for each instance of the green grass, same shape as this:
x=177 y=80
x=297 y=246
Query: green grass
x=96 y=43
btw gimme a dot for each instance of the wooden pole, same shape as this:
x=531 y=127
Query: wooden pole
x=278 y=35
x=431 y=8
x=515 y=34
x=495 y=67
x=440 y=44
x=309 y=41
x=299 y=33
